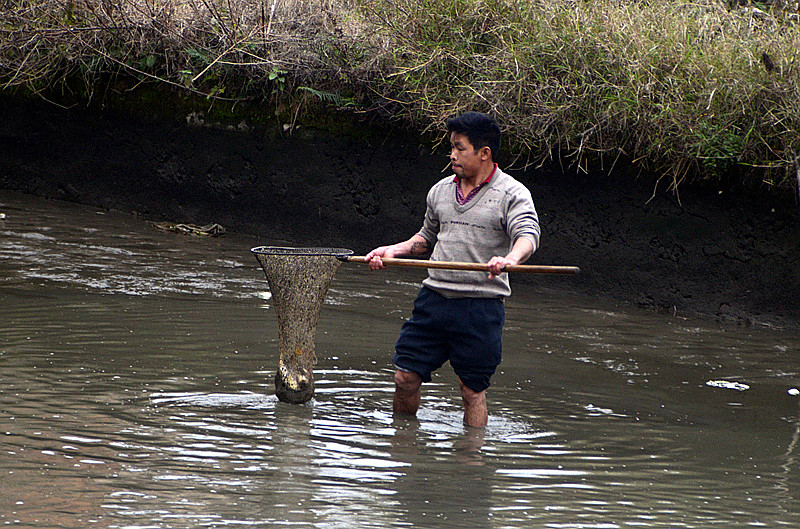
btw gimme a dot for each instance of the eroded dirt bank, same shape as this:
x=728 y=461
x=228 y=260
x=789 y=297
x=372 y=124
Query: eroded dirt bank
x=734 y=257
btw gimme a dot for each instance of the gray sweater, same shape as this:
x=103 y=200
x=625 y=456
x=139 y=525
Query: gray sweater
x=486 y=226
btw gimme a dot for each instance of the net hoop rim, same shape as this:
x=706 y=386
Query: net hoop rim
x=306 y=252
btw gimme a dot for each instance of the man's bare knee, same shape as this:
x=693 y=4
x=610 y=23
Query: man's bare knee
x=407 y=393
x=407 y=382
x=470 y=395
x=475 y=410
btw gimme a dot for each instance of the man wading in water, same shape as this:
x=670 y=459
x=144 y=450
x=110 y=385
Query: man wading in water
x=481 y=215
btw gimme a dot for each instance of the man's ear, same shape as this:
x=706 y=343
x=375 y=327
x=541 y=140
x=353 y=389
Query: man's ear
x=486 y=153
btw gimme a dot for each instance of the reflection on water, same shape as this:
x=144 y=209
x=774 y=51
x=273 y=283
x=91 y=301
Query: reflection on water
x=136 y=391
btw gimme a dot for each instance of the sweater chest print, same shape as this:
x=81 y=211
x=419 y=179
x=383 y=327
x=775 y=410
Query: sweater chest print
x=471 y=221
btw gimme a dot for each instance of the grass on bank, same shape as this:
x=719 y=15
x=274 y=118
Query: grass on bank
x=702 y=90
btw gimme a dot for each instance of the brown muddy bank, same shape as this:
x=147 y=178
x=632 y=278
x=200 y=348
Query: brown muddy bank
x=733 y=257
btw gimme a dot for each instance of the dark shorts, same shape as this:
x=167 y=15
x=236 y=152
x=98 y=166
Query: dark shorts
x=465 y=331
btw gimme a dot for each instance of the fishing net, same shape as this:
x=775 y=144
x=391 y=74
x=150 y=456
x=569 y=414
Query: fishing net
x=298 y=280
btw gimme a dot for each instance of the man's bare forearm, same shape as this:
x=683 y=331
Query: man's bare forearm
x=418 y=246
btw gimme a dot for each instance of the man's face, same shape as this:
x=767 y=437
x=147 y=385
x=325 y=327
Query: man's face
x=465 y=161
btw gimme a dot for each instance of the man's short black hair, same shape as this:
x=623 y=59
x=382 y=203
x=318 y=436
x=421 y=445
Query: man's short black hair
x=481 y=130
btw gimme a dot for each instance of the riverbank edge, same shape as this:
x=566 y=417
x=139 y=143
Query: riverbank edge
x=730 y=257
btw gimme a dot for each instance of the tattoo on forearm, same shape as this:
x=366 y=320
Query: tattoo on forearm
x=420 y=248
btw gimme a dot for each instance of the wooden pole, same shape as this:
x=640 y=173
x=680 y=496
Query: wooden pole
x=457 y=265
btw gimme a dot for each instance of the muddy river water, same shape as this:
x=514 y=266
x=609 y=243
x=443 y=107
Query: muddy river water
x=136 y=391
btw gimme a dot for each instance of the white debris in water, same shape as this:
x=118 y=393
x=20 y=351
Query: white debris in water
x=596 y=409
x=727 y=384
x=794 y=392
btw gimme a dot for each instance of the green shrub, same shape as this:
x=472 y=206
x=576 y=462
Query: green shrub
x=679 y=88
x=703 y=90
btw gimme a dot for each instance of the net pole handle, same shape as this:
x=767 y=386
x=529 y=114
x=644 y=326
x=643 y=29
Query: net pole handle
x=459 y=265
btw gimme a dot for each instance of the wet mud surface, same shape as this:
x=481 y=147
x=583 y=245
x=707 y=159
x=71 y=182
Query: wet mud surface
x=732 y=257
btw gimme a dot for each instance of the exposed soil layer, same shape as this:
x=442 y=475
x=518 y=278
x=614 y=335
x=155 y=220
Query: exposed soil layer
x=733 y=257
